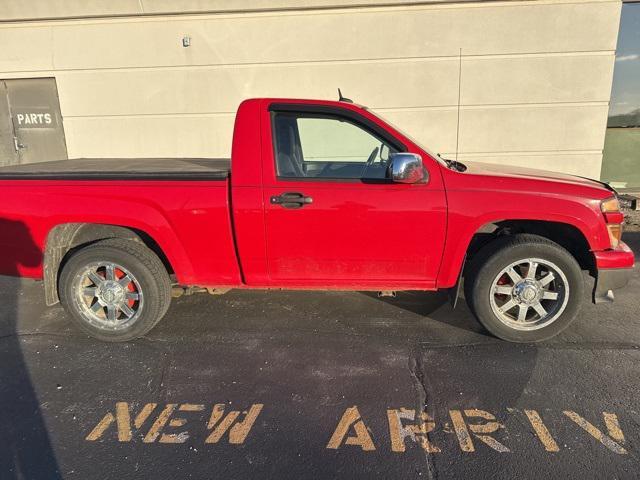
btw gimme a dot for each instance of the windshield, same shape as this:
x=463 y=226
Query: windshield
x=429 y=151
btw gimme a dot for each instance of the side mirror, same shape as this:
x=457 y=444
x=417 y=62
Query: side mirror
x=407 y=168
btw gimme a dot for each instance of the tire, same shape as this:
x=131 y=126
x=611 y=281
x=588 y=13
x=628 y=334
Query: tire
x=491 y=284
x=111 y=308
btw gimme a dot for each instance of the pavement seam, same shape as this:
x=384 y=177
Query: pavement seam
x=539 y=346
x=416 y=370
x=424 y=345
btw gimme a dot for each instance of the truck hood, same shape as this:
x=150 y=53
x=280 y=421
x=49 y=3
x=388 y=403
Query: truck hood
x=507 y=171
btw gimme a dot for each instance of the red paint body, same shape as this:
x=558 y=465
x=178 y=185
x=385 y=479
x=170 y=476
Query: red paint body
x=355 y=235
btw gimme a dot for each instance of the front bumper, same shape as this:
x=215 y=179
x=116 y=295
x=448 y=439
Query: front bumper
x=614 y=270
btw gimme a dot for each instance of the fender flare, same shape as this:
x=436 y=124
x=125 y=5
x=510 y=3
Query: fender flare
x=64 y=237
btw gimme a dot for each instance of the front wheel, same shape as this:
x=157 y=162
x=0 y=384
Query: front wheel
x=115 y=290
x=524 y=288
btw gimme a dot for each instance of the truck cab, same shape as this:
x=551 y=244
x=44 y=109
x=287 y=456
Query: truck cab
x=332 y=218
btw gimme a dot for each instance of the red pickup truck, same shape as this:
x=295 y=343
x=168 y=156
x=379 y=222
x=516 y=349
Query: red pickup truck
x=317 y=195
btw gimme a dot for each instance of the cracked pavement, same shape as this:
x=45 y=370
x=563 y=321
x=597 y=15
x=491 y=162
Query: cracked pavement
x=434 y=395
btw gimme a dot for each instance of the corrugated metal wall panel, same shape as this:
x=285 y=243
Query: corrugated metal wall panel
x=536 y=76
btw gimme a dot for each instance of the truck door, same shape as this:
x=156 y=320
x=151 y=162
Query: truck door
x=333 y=219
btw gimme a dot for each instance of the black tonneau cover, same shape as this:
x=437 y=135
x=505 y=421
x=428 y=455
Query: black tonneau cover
x=121 y=169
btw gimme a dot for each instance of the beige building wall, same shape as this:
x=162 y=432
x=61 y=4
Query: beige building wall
x=536 y=75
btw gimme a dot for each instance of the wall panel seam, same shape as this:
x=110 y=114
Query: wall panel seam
x=522 y=153
x=355 y=61
x=296 y=11
x=374 y=108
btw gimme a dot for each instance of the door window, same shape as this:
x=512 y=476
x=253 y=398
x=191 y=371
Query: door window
x=327 y=147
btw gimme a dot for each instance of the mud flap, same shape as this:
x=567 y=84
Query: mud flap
x=454 y=292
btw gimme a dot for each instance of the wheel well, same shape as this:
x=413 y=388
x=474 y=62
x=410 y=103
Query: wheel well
x=63 y=240
x=564 y=234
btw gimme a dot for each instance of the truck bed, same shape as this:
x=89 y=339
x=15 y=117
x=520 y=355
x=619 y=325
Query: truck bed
x=121 y=169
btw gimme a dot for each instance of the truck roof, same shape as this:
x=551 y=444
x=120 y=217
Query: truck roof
x=121 y=169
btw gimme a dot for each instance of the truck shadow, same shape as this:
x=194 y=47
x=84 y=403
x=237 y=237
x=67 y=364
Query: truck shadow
x=435 y=306
x=26 y=451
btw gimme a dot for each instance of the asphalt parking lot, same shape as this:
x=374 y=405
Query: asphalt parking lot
x=318 y=385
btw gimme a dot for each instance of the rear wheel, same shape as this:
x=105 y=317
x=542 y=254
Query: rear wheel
x=115 y=290
x=524 y=288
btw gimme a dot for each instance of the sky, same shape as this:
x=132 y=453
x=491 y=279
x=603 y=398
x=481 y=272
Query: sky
x=625 y=95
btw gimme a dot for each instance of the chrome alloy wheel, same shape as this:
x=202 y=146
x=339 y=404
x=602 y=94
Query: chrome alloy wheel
x=529 y=294
x=107 y=295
